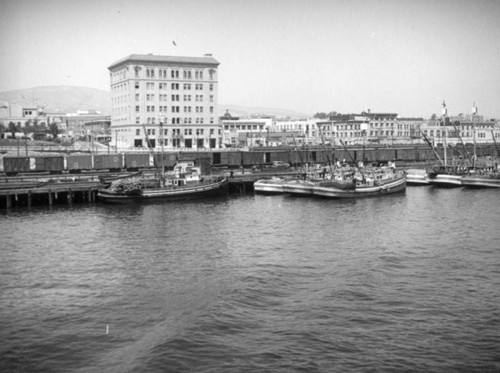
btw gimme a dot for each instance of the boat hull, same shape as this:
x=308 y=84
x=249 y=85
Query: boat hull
x=417 y=177
x=203 y=190
x=269 y=186
x=395 y=186
x=299 y=187
x=446 y=180
x=481 y=182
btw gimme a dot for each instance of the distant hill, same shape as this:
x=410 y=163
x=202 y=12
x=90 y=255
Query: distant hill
x=66 y=99
x=69 y=99
x=245 y=111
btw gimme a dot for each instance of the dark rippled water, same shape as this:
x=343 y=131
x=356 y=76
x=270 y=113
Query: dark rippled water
x=408 y=282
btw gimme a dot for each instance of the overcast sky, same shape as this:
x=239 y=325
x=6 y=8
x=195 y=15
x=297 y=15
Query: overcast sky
x=394 y=56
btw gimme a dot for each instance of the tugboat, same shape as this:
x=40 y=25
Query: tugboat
x=185 y=183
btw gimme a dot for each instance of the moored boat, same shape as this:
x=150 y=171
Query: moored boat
x=417 y=177
x=270 y=186
x=380 y=183
x=300 y=187
x=446 y=176
x=175 y=187
x=482 y=180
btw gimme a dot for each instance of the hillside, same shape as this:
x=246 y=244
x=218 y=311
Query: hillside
x=70 y=99
x=245 y=111
x=60 y=98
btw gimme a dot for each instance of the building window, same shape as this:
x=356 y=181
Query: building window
x=137 y=132
x=137 y=108
x=136 y=85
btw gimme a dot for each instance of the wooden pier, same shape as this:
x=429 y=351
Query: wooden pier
x=50 y=193
x=68 y=189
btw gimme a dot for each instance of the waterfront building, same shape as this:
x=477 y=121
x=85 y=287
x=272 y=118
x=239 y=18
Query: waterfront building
x=357 y=129
x=165 y=100
x=83 y=124
x=245 y=132
x=467 y=129
x=408 y=129
x=381 y=127
x=306 y=130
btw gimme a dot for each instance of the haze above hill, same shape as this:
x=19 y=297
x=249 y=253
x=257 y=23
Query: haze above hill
x=69 y=99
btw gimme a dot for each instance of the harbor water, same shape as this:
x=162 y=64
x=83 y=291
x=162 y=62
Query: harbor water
x=252 y=283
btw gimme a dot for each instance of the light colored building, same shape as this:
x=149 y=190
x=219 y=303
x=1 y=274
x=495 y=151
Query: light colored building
x=165 y=98
x=408 y=129
x=305 y=129
x=382 y=127
x=247 y=132
x=467 y=129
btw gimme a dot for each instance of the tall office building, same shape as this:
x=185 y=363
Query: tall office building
x=165 y=98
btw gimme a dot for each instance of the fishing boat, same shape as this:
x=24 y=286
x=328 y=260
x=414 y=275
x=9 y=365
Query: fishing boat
x=180 y=185
x=299 y=187
x=415 y=176
x=482 y=180
x=273 y=185
x=446 y=176
x=372 y=183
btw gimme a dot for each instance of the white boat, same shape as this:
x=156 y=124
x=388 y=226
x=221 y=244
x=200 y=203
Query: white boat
x=370 y=187
x=299 y=187
x=270 y=186
x=416 y=176
x=486 y=180
x=446 y=176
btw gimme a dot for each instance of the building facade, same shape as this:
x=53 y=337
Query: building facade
x=249 y=132
x=165 y=100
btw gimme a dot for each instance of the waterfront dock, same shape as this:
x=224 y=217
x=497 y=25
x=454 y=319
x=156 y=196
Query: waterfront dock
x=48 y=193
x=68 y=189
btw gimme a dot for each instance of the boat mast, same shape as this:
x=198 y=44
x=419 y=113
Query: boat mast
x=150 y=149
x=324 y=148
x=352 y=159
x=300 y=153
x=495 y=142
x=431 y=146
x=444 y=133
x=474 y=112
x=162 y=139
x=462 y=142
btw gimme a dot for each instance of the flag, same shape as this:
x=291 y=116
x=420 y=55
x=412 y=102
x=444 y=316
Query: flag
x=173 y=42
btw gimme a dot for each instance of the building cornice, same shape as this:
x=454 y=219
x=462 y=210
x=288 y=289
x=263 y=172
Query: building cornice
x=206 y=61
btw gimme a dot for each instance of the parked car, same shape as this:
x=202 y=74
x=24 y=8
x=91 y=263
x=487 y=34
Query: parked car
x=280 y=164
